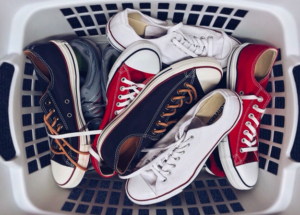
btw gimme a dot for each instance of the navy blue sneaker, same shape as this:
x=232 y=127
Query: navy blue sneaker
x=58 y=74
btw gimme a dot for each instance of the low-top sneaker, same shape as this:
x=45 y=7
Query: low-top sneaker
x=176 y=160
x=58 y=75
x=88 y=58
x=249 y=68
x=176 y=42
x=128 y=76
x=161 y=103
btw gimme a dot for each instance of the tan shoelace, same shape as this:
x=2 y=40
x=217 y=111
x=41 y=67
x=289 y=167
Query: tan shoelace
x=191 y=91
x=65 y=143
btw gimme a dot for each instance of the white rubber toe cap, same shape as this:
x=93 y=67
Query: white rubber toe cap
x=145 y=60
x=61 y=173
x=248 y=173
x=139 y=190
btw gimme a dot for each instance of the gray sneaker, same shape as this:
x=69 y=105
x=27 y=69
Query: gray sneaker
x=110 y=55
x=92 y=79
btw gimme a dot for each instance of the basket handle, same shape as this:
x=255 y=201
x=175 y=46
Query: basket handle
x=8 y=82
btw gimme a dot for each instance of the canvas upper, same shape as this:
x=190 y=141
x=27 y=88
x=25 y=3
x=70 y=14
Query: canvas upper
x=164 y=100
x=175 y=41
x=176 y=160
x=129 y=74
x=60 y=102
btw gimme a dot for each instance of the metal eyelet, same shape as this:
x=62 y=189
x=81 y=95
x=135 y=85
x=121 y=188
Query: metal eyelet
x=55 y=118
x=118 y=104
x=174 y=165
x=241 y=150
x=192 y=137
x=123 y=79
x=53 y=110
x=177 y=159
x=116 y=113
x=243 y=140
x=255 y=106
x=185 y=85
x=169 y=172
x=261 y=99
x=119 y=97
x=67 y=101
x=172 y=100
x=248 y=123
x=48 y=103
x=60 y=126
x=158 y=122
x=122 y=88
x=241 y=92
x=179 y=92
x=245 y=132
x=183 y=152
x=167 y=107
x=153 y=131
x=147 y=161
x=164 y=180
x=251 y=115
x=162 y=115
x=188 y=145
x=69 y=115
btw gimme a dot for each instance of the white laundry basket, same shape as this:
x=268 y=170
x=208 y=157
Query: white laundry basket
x=26 y=183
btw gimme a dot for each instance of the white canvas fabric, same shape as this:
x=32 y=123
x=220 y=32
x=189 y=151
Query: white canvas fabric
x=175 y=41
x=175 y=161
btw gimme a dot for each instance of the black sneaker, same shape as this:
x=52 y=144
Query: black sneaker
x=57 y=70
x=164 y=100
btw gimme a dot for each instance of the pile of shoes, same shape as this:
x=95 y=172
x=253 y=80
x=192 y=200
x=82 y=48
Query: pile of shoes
x=157 y=128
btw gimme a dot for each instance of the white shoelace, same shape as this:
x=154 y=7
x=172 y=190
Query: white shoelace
x=252 y=133
x=162 y=167
x=130 y=96
x=192 y=45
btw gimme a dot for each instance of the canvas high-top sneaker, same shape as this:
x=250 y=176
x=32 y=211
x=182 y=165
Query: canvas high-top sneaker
x=58 y=74
x=249 y=68
x=128 y=76
x=161 y=103
x=175 y=42
x=176 y=160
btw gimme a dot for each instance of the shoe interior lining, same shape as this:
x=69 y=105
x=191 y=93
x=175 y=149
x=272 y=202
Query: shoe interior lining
x=38 y=64
x=264 y=64
x=126 y=153
x=212 y=109
x=135 y=22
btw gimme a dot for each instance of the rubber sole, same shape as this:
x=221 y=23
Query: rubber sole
x=84 y=143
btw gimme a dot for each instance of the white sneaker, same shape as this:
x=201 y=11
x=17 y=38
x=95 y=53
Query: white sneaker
x=176 y=42
x=175 y=161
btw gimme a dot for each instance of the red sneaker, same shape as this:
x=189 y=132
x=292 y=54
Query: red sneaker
x=135 y=67
x=249 y=68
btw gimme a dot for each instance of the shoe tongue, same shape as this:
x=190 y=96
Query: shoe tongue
x=153 y=31
x=175 y=27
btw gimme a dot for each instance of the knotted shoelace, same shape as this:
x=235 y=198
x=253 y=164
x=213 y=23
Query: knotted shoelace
x=192 y=45
x=251 y=133
x=60 y=137
x=191 y=92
